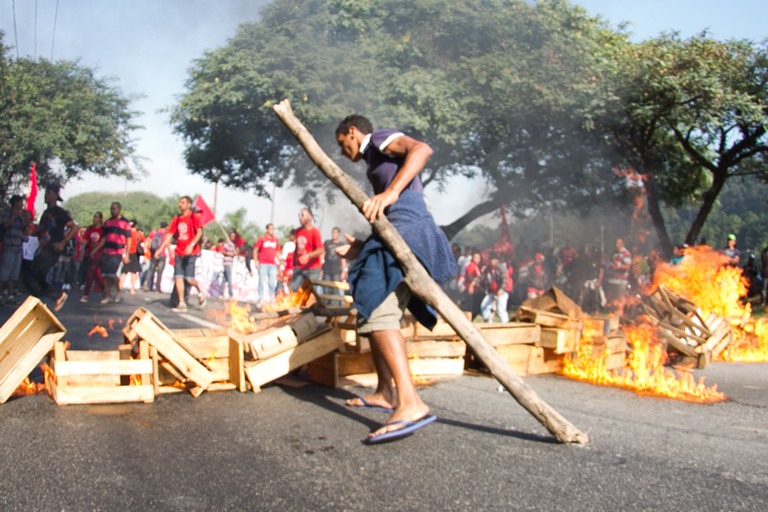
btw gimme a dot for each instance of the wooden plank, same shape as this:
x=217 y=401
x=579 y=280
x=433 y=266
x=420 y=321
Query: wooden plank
x=442 y=329
x=435 y=349
x=118 y=367
x=304 y=327
x=548 y=319
x=675 y=342
x=205 y=348
x=560 y=340
x=270 y=342
x=101 y=394
x=165 y=344
x=26 y=363
x=616 y=361
x=324 y=370
x=353 y=363
x=684 y=335
x=236 y=361
x=264 y=371
x=616 y=343
x=436 y=366
x=544 y=360
x=511 y=333
x=339 y=285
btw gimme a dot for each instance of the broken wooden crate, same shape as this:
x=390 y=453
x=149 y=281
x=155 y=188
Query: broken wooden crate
x=168 y=352
x=685 y=330
x=25 y=339
x=279 y=350
x=100 y=376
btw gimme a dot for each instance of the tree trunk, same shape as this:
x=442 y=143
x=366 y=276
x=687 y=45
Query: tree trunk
x=422 y=285
x=452 y=229
x=710 y=196
x=654 y=210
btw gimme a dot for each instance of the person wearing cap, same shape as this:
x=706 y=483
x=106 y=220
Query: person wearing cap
x=731 y=252
x=56 y=228
x=14 y=233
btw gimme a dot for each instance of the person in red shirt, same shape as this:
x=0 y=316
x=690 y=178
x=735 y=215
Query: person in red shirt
x=188 y=231
x=307 y=259
x=92 y=255
x=265 y=256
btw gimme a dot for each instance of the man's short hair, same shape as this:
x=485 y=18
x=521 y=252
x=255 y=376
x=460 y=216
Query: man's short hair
x=356 y=120
x=187 y=198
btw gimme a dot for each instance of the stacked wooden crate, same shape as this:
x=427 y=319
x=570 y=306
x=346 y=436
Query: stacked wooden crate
x=561 y=322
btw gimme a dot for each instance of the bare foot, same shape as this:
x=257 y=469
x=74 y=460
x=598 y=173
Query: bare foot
x=372 y=400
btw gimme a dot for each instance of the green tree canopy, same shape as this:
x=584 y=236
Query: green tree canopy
x=63 y=117
x=502 y=90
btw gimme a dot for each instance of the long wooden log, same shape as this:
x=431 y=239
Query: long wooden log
x=422 y=285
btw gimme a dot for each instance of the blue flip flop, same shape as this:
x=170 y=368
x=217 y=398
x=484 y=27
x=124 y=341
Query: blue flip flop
x=409 y=427
x=366 y=405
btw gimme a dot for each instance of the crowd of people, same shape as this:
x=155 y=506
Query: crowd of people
x=55 y=257
x=491 y=285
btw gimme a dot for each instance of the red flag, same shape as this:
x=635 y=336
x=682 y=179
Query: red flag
x=206 y=214
x=32 y=196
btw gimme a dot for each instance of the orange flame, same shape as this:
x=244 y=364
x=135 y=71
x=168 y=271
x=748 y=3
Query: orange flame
x=704 y=278
x=645 y=373
x=100 y=330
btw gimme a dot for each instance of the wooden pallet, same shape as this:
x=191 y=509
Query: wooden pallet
x=25 y=339
x=100 y=376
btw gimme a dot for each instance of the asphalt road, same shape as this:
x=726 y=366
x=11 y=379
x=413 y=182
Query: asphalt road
x=300 y=448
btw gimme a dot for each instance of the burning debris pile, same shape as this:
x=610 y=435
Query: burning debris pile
x=683 y=326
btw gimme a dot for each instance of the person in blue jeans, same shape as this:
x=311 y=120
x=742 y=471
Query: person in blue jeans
x=496 y=296
x=265 y=255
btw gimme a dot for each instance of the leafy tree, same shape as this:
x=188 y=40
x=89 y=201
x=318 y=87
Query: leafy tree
x=65 y=118
x=503 y=90
x=147 y=209
x=693 y=115
x=237 y=220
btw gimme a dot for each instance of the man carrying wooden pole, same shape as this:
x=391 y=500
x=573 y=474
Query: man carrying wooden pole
x=410 y=412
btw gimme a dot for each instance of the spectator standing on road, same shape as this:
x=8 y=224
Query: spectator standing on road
x=265 y=258
x=55 y=230
x=154 y=275
x=733 y=254
x=228 y=251
x=496 y=295
x=617 y=276
x=334 y=266
x=133 y=267
x=307 y=259
x=114 y=246
x=189 y=232
x=92 y=255
x=14 y=226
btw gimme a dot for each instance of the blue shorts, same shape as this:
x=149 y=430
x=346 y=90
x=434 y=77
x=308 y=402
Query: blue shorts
x=184 y=266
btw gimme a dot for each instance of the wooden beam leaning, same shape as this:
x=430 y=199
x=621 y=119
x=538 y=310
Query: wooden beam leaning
x=422 y=285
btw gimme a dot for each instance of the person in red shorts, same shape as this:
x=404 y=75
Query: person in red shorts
x=188 y=231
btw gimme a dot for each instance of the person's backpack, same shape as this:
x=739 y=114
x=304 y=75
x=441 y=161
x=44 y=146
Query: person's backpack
x=156 y=242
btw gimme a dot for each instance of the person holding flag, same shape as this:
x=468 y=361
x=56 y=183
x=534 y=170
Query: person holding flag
x=187 y=227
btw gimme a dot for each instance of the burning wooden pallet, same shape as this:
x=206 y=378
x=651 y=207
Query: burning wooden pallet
x=100 y=376
x=25 y=339
x=279 y=350
x=682 y=326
